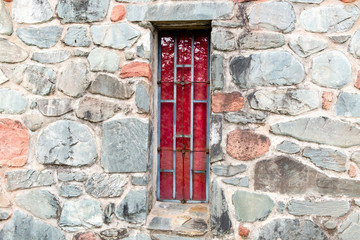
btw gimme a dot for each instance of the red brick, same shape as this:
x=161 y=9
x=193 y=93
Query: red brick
x=136 y=69
x=348 y=1
x=246 y=145
x=86 y=236
x=327 y=99
x=118 y=13
x=352 y=171
x=14 y=143
x=8 y=0
x=243 y=231
x=226 y=102
x=357 y=83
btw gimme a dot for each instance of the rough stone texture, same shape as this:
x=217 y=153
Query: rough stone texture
x=140 y=180
x=109 y=213
x=326 y=158
x=80 y=53
x=136 y=69
x=50 y=57
x=220 y=223
x=69 y=176
x=288 y=147
x=260 y=40
x=43 y=37
x=114 y=233
x=76 y=36
x=333 y=18
x=331 y=69
x=307 y=1
x=118 y=12
x=6 y=25
x=352 y=172
x=320 y=130
x=216 y=152
x=31 y=11
x=223 y=40
x=354 y=47
x=142 y=98
x=228 y=170
x=110 y=86
x=179 y=11
x=330 y=224
x=80 y=215
x=133 y=208
x=14 y=143
x=326 y=208
x=4 y=200
x=95 y=110
x=160 y=223
x=350 y=228
x=4 y=215
x=103 y=60
x=33 y=121
x=288 y=176
x=11 y=53
x=102 y=185
x=239 y=182
x=70 y=190
x=73 y=80
x=275 y=15
x=217 y=71
x=340 y=39
x=3 y=78
x=348 y=105
x=124 y=145
x=226 y=102
x=36 y=79
x=86 y=236
x=251 y=207
x=305 y=45
x=193 y=227
x=266 y=69
x=24 y=179
x=22 y=226
x=40 y=203
x=289 y=101
x=74 y=11
x=246 y=145
x=289 y=229
x=54 y=107
x=171 y=237
x=281 y=207
x=116 y=35
x=66 y=142
x=246 y=117
x=12 y=101
x=243 y=231
x=327 y=99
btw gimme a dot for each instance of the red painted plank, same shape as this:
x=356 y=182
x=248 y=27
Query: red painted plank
x=199 y=186
x=184 y=49
x=166 y=185
x=199 y=129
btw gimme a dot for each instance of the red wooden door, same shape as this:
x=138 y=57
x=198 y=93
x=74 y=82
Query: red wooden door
x=183 y=121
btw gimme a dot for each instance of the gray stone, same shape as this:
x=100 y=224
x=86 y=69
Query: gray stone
x=288 y=147
x=281 y=207
x=222 y=23
x=76 y=36
x=133 y=208
x=260 y=40
x=140 y=52
x=332 y=18
x=24 y=179
x=172 y=237
x=110 y=86
x=109 y=213
x=68 y=176
x=50 y=57
x=140 y=180
x=102 y=185
x=95 y=110
x=217 y=72
x=330 y=224
x=331 y=69
x=179 y=11
x=54 y=107
x=140 y=236
x=135 y=1
x=251 y=207
x=31 y=11
x=129 y=54
x=36 y=79
x=246 y=117
x=33 y=121
x=357 y=202
x=307 y=1
x=193 y=227
x=275 y=15
x=6 y=26
x=274 y=68
x=73 y=79
x=223 y=40
x=103 y=60
x=320 y=130
x=216 y=152
x=290 y=229
x=124 y=145
x=80 y=53
x=355 y=157
x=326 y=208
x=326 y=158
x=239 y=182
x=285 y=101
x=350 y=228
x=228 y=170
x=43 y=37
x=305 y=45
x=67 y=143
x=40 y=203
x=340 y=39
x=80 y=215
x=74 y=11
x=22 y=226
x=4 y=215
x=68 y=190
x=11 y=53
x=142 y=98
x=220 y=223
x=160 y=223
x=12 y=102
x=3 y=77
x=114 y=233
x=354 y=47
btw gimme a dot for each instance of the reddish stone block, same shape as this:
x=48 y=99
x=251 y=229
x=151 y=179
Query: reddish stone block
x=246 y=145
x=226 y=102
x=14 y=143
x=86 y=236
x=327 y=99
x=357 y=83
x=117 y=13
x=243 y=231
x=348 y=1
x=8 y=0
x=136 y=69
x=352 y=171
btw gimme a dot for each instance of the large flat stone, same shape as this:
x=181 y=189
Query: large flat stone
x=103 y=60
x=239 y=182
x=320 y=130
x=228 y=170
x=24 y=179
x=274 y=68
x=12 y=102
x=326 y=208
x=305 y=45
x=288 y=147
x=350 y=228
x=6 y=25
x=246 y=117
x=95 y=109
x=110 y=86
x=50 y=57
x=326 y=158
x=348 y=105
x=217 y=71
x=220 y=223
x=260 y=40
x=77 y=36
x=133 y=208
x=54 y=107
x=142 y=98
x=223 y=40
x=124 y=145
x=102 y=185
x=43 y=37
x=31 y=11
x=11 y=53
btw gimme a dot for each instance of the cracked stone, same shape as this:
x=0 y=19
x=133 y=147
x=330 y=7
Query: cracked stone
x=43 y=37
x=326 y=158
x=77 y=36
x=50 y=57
x=70 y=190
x=261 y=40
x=326 y=208
x=305 y=46
x=24 y=179
x=133 y=208
x=54 y=107
x=103 y=60
x=102 y=185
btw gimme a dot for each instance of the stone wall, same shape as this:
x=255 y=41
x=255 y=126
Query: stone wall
x=78 y=118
